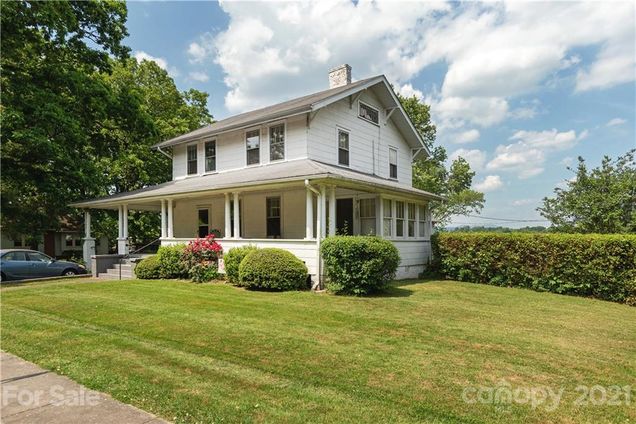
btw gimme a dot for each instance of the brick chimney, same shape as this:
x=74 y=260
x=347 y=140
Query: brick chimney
x=339 y=76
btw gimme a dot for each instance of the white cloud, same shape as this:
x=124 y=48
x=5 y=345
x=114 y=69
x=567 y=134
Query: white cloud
x=528 y=154
x=466 y=137
x=199 y=76
x=196 y=52
x=407 y=90
x=615 y=121
x=493 y=51
x=160 y=61
x=475 y=158
x=523 y=202
x=489 y=183
x=567 y=161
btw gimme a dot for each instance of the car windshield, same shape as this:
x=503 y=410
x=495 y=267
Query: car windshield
x=38 y=257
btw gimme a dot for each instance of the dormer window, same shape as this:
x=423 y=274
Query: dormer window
x=368 y=113
x=192 y=159
x=253 y=145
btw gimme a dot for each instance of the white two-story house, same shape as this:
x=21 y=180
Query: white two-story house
x=288 y=175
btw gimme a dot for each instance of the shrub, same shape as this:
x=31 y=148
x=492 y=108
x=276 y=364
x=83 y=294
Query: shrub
x=148 y=268
x=203 y=272
x=232 y=259
x=273 y=269
x=358 y=264
x=590 y=265
x=171 y=261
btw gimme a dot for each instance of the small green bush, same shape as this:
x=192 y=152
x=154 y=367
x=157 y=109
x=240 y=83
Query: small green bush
x=171 y=261
x=148 y=268
x=232 y=259
x=272 y=269
x=358 y=264
x=590 y=265
x=203 y=272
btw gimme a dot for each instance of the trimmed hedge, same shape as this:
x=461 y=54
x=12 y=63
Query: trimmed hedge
x=232 y=259
x=358 y=264
x=589 y=265
x=171 y=261
x=148 y=268
x=272 y=269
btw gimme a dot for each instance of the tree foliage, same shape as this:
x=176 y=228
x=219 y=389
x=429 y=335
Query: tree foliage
x=431 y=174
x=600 y=200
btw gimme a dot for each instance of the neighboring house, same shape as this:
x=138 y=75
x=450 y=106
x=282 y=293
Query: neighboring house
x=334 y=162
x=64 y=243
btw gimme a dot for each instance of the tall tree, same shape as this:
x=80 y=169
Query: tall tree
x=145 y=107
x=51 y=52
x=601 y=200
x=430 y=174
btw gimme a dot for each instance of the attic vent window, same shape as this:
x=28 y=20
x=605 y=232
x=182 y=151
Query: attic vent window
x=368 y=113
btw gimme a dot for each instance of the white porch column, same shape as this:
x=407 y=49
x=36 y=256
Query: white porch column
x=164 y=230
x=323 y=212
x=170 y=219
x=332 y=211
x=237 y=217
x=88 y=247
x=122 y=241
x=120 y=231
x=228 y=217
x=309 y=215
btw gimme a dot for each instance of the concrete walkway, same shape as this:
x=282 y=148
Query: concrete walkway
x=30 y=394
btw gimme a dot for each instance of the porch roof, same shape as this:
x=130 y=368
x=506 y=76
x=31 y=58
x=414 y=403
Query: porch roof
x=264 y=175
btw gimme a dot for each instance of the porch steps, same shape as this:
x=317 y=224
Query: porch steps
x=114 y=273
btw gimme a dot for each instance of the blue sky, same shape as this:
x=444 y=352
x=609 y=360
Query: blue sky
x=518 y=89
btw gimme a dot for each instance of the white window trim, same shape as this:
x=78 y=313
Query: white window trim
x=260 y=146
x=269 y=141
x=280 y=196
x=343 y=129
x=397 y=164
x=360 y=102
x=216 y=156
x=188 y=175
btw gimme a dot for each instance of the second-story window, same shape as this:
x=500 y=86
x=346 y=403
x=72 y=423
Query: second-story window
x=393 y=163
x=210 y=156
x=368 y=113
x=277 y=142
x=192 y=159
x=343 y=148
x=253 y=145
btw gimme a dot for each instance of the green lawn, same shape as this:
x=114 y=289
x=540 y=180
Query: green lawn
x=215 y=353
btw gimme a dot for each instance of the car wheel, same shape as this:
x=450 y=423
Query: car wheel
x=69 y=272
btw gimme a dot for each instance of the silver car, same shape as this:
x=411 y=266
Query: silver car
x=20 y=264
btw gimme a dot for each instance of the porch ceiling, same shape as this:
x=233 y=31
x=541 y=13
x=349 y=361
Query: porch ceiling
x=256 y=178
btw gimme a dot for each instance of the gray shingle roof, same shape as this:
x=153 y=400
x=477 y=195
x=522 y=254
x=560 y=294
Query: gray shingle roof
x=280 y=110
x=295 y=170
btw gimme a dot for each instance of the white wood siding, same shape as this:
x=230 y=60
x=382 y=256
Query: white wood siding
x=231 y=151
x=368 y=143
x=414 y=257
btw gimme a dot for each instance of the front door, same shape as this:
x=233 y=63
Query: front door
x=344 y=217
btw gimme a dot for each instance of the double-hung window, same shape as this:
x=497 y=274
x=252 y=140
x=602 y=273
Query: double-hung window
x=422 y=221
x=399 y=219
x=204 y=222
x=368 y=113
x=387 y=217
x=277 y=142
x=273 y=217
x=210 y=156
x=367 y=216
x=393 y=163
x=411 y=217
x=343 y=148
x=253 y=145
x=192 y=159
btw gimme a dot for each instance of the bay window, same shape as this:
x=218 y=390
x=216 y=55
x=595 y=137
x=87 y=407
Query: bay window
x=399 y=219
x=411 y=222
x=388 y=217
x=422 y=221
x=367 y=217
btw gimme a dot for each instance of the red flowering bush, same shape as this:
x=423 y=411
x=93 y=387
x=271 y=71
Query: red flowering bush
x=202 y=251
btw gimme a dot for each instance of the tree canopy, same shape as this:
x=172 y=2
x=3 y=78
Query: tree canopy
x=600 y=200
x=431 y=174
